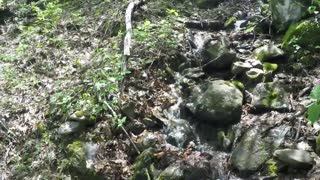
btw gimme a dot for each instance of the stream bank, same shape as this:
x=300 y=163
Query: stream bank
x=233 y=107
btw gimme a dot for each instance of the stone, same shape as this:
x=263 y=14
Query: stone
x=128 y=110
x=253 y=76
x=146 y=139
x=217 y=55
x=285 y=12
x=268 y=52
x=135 y=126
x=254 y=63
x=69 y=127
x=205 y=4
x=255 y=148
x=270 y=96
x=295 y=158
x=216 y=102
x=91 y=152
x=251 y=152
x=239 y=67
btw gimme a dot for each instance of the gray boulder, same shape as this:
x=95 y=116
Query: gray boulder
x=285 y=12
x=295 y=158
x=216 y=102
x=255 y=148
x=270 y=96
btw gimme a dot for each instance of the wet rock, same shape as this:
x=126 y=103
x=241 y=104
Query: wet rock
x=205 y=4
x=216 y=102
x=295 y=158
x=268 y=53
x=314 y=174
x=69 y=127
x=217 y=55
x=270 y=96
x=179 y=132
x=255 y=148
x=194 y=167
x=285 y=12
x=239 y=67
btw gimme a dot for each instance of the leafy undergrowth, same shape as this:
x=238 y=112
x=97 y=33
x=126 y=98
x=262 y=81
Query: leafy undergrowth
x=57 y=58
x=60 y=58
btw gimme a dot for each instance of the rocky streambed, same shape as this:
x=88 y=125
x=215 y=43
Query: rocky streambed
x=235 y=110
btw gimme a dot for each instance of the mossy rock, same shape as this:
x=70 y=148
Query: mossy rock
x=270 y=96
x=141 y=167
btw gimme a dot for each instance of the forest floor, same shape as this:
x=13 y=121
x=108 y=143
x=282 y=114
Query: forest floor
x=61 y=63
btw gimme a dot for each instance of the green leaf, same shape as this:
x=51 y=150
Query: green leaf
x=315 y=93
x=250 y=29
x=314 y=112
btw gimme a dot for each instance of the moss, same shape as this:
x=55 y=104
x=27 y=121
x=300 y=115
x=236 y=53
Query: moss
x=230 y=22
x=273 y=96
x=220 y=137
x=272 y=167
x=75 y=159
x=141 y=167
x=225 y=138
x=238 y=85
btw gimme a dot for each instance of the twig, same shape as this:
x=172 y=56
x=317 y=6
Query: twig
x=115 y=116
x=298 y=130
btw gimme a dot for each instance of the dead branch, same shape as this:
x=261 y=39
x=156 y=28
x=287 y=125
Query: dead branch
x=127 y=40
